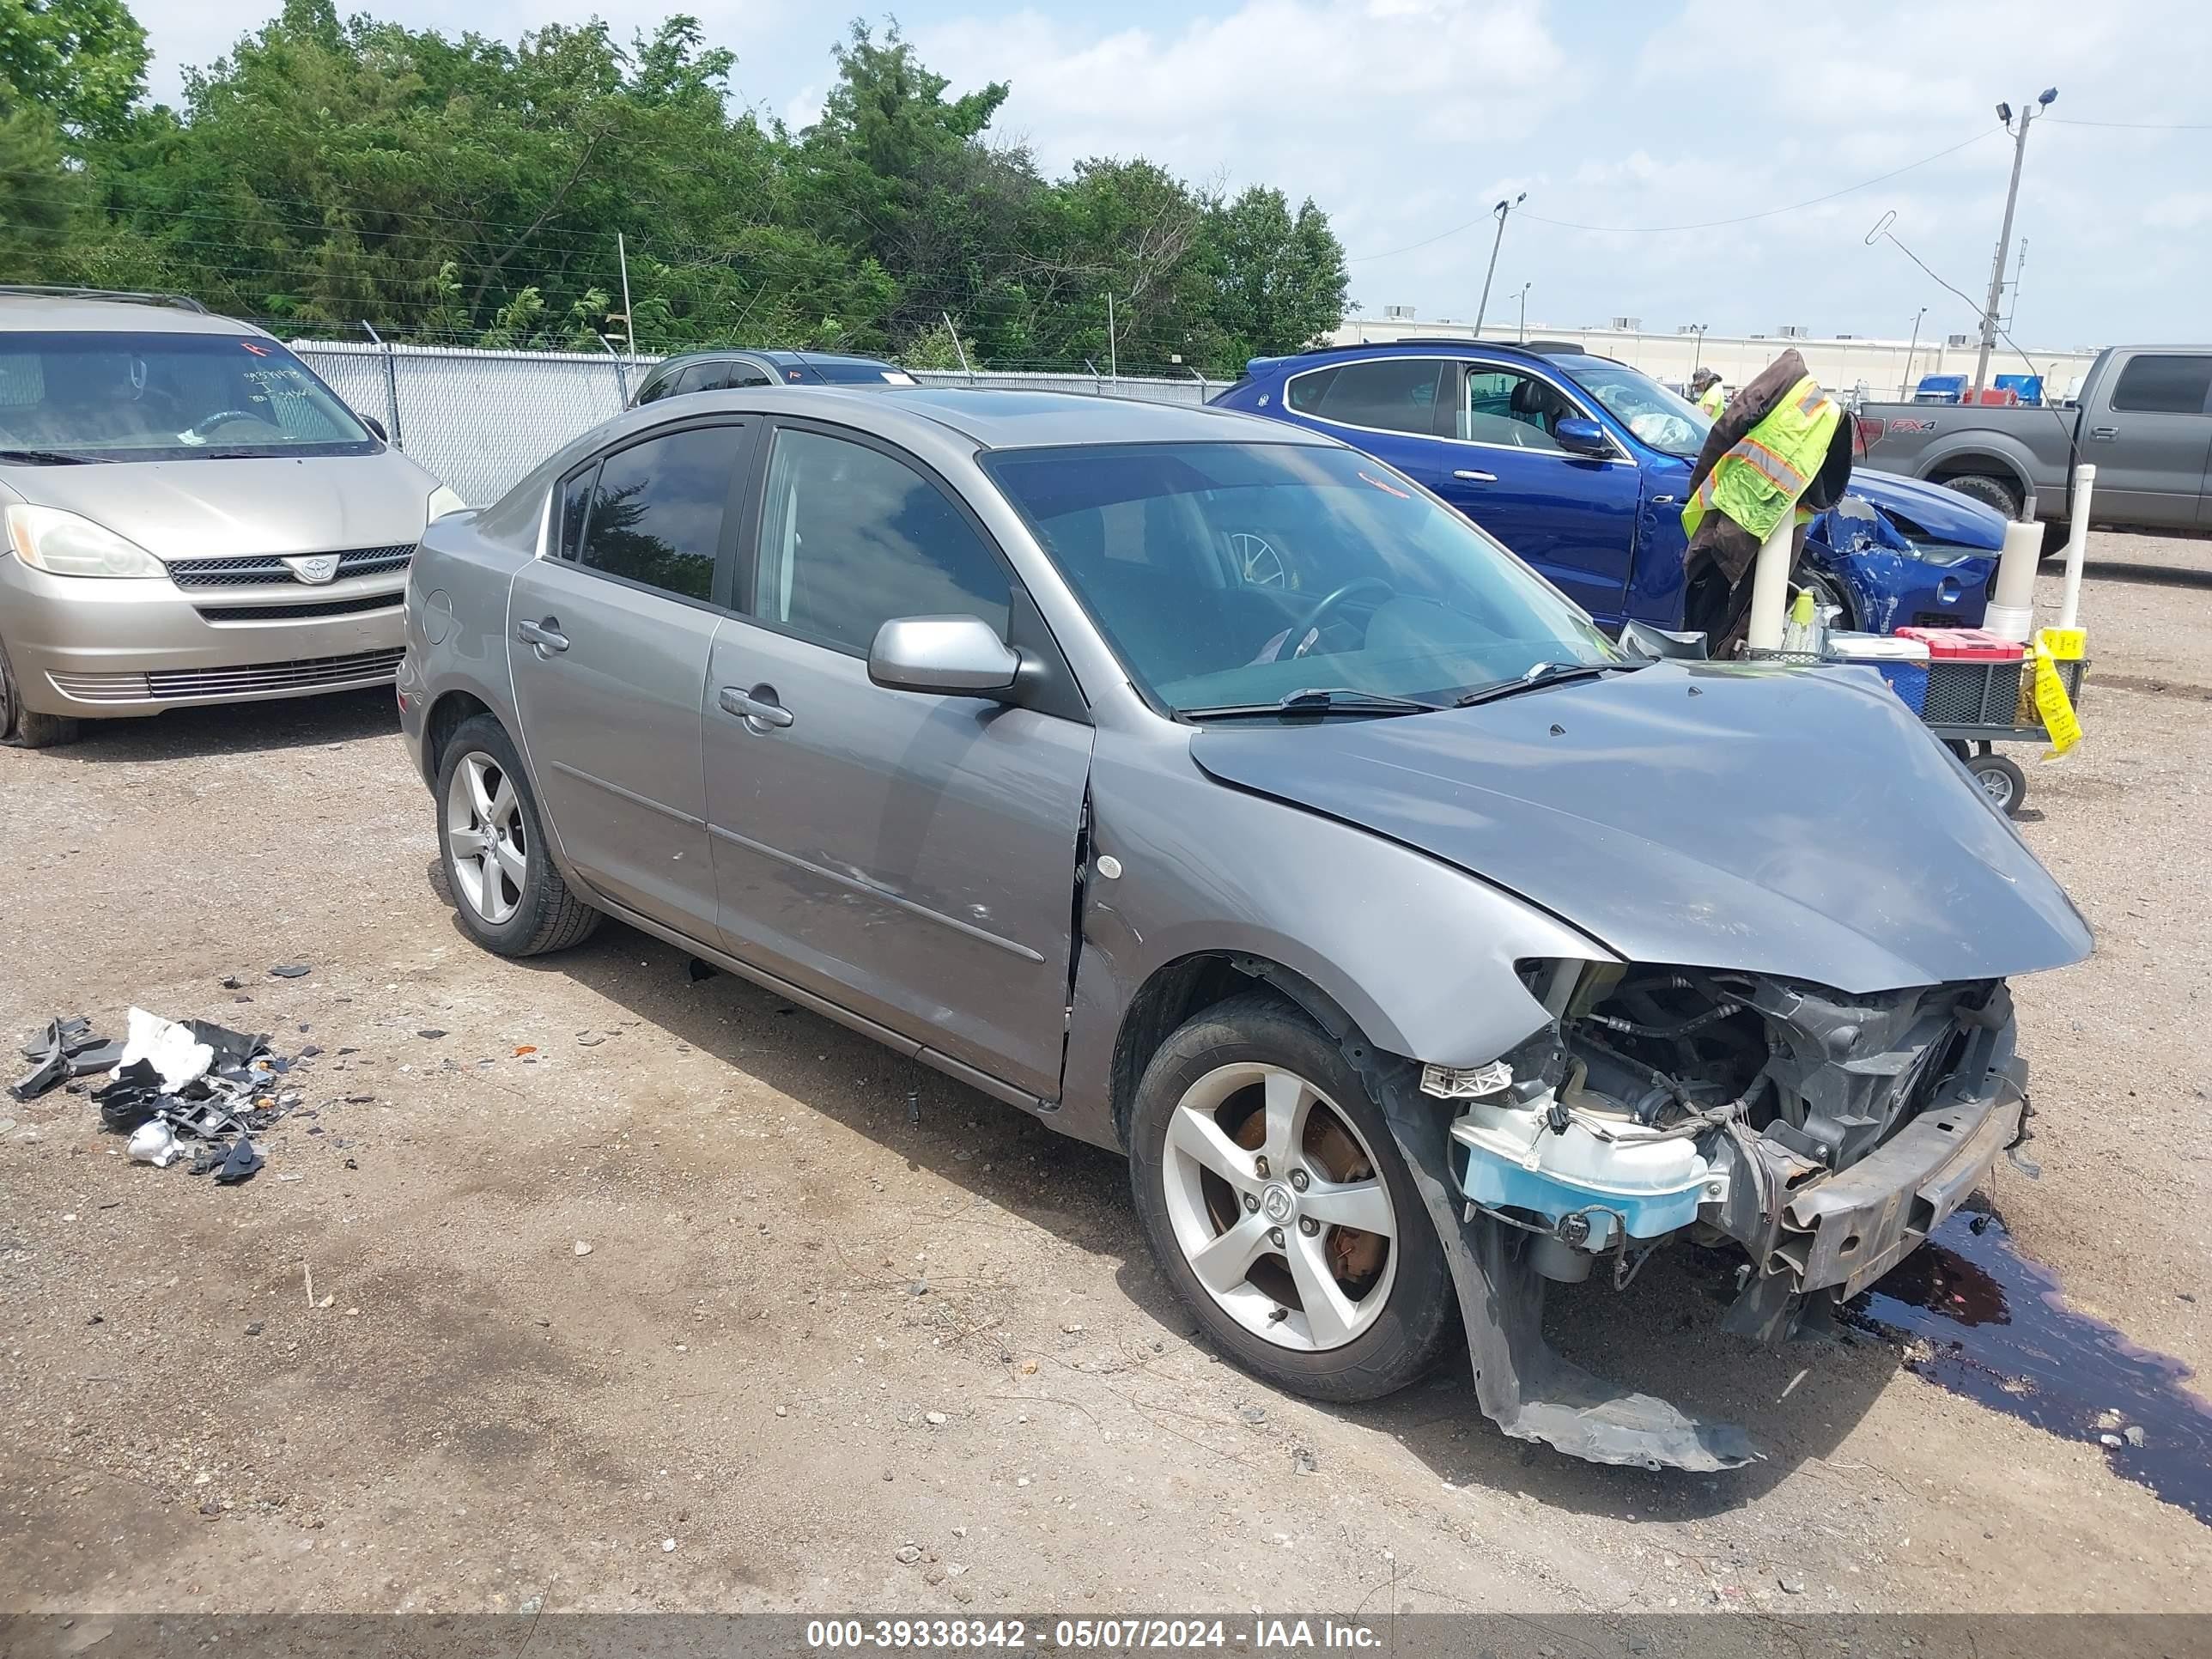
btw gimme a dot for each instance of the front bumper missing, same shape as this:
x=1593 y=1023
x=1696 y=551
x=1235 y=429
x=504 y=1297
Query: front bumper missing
x=1822 y=1239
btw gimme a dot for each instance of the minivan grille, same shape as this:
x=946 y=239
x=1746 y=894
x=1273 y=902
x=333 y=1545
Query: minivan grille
x=181 y=684
x=253 y=613
x=260 y=567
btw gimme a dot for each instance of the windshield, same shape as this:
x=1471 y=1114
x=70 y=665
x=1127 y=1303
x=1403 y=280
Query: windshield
x=1233 y=574
x=167 y=397
x=1671 y=425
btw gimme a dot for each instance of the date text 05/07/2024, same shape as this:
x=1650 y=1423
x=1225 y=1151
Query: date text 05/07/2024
x=1257 y=1636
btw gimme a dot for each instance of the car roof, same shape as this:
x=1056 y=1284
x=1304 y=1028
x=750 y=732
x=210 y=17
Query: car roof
x=997 y=419
x=1431 y=345
x=777 y=355
x=89 y=313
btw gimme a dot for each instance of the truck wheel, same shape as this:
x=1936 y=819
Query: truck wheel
x=2001 y=780
x=1279 y=1208
x=21 y=727
x=1998 y=493
x=506 y=890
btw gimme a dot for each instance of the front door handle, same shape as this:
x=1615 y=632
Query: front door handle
x=2106 y=433
x=1662 y=500
x=544 y=636
x=1470 y=476
x=758 y=708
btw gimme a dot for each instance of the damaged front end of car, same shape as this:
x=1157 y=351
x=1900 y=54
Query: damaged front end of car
x=1822 y=1135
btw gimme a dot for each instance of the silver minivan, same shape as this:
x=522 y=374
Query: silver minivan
x=190 y=516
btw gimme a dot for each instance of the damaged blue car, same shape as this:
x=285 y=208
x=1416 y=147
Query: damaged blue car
x=1581 y=465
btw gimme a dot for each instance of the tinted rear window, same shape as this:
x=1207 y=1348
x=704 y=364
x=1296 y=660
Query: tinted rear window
x=1390 y=394
x=859 y=371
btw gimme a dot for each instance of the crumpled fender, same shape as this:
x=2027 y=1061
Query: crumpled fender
x=1522 y=1385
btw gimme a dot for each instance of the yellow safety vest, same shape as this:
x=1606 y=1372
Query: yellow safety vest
x=1765 y=476
x=1714 y=401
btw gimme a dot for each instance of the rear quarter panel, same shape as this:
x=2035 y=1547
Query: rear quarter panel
x=456 y=632
x=2033 y=448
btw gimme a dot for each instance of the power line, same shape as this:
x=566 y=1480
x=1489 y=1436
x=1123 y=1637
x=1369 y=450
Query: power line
x=1709 y=224
x=2137 y=126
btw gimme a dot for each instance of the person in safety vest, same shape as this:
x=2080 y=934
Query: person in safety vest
x=1781 y=446
x=1705 y=392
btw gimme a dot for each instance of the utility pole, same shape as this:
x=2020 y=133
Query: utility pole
x=1524 y=297
x=1904 y=385
x=1503 y=209
x=2004 y=236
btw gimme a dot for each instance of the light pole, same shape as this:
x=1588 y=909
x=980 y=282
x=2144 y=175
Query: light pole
x=1502 y=210
x=1522 y=297
x=1904 y=385
x=1698 y=355
x=2012 y=196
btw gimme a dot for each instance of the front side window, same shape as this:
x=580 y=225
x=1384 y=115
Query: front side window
x=1233 y=573
x=1388 y=394
x=851 y=538
x=656 y=514
x=2164 y=384
x=168 y=397
x=1504 y=406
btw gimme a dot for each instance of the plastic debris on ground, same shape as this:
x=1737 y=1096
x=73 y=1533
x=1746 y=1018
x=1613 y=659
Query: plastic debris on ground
x=186 y=1091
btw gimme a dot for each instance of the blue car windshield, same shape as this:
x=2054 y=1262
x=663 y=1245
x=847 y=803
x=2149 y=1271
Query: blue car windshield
x=1669 y=424
x=1232 y=574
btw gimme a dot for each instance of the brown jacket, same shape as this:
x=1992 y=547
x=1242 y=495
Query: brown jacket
x=1716 y=569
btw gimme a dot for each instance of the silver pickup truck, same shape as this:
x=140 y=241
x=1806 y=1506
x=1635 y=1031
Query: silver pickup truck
x=2143 y=416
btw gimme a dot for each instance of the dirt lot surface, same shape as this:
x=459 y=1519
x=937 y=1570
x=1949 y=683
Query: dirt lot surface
x=818 y=1356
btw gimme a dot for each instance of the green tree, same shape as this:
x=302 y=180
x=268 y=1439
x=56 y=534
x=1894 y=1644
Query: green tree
x=81 y=61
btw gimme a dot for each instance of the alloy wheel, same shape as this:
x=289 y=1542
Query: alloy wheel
x=486 y=842
x=1279 y=1207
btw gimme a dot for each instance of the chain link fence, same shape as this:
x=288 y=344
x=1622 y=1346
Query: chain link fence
x=480 y=420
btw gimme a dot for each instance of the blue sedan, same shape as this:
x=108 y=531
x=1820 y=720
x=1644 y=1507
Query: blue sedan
x=1581 y=465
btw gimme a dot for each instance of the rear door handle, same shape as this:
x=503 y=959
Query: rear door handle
x=545 y=635
x=759 y=713
x=2106 y=433
x=1472 y=477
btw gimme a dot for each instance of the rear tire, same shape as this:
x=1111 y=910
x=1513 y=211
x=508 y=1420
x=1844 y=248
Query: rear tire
x=503 y=838
x=19 y=725
x=1251 y=1139
x=1997 y=493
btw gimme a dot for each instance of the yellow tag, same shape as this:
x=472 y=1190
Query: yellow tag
x=2057 y=709
x=2064 y=644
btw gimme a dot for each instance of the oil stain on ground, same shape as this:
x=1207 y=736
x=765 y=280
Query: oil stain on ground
x=1974 y=1315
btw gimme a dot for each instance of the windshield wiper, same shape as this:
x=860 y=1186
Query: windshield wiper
x=50 y=457
x=1543 y=673
x=1321 y=699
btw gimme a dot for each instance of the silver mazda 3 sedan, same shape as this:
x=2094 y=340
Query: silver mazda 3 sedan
x=190 y=516
x=1209 y=790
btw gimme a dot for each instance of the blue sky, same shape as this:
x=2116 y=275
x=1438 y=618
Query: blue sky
x=1407 y=117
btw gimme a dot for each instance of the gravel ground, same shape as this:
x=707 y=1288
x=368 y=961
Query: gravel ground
x=634 y=1292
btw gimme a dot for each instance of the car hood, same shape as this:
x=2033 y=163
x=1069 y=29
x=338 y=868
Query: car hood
x=204 y=509
x=1797 y=822
x=1943 y=514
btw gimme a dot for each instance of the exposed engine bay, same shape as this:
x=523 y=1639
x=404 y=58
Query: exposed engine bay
x=1823 y=1134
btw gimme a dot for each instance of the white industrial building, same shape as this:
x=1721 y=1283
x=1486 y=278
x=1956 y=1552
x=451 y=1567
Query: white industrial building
x=1845 y=363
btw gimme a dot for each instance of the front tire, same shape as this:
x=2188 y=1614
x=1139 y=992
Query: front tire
x=1989 y=491
x=1279 y=1206
x=21 y=727
x=508 y=894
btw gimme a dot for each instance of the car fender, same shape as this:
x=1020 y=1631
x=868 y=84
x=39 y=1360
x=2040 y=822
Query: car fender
x=1417 y=954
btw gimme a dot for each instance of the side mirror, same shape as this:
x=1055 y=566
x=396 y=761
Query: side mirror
x=377 y=426
x=949 y=656
x=1580 y=437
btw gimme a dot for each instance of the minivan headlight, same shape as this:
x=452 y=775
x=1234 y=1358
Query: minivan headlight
x=444 y=500
x=65 y=545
